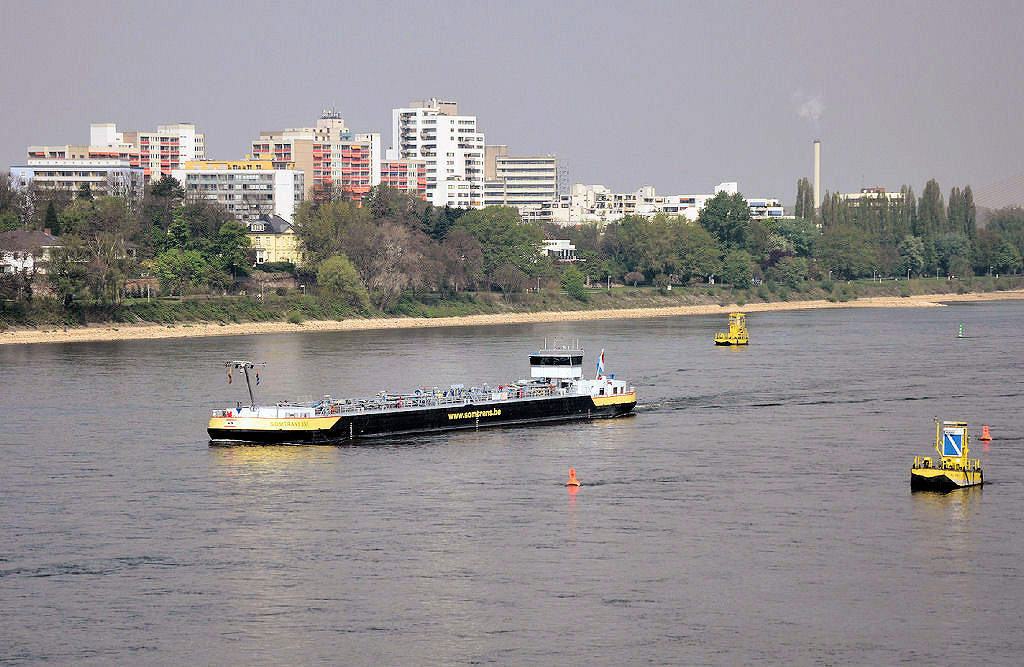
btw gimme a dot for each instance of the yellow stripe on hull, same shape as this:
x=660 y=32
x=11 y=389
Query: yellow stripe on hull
x=274 y=424
x=617 y=399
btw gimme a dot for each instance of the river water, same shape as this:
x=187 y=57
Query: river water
x=755 y=509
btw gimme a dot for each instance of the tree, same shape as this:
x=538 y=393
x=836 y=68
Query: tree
x=1009 y=224
x=985 y=250
x=85 y=192
x=727 y=218
x=325 y=229
x=509 y=279
x=180 y=268
x=970 y=214
x=1008 y=258
x=232 y=249
x=931 y=212
x=846 y=251
x=574 y=283
x=108 y=266
x=634 y=277
x=398 y=206
x=503 y=236
x=51 y=222
x=805 y=204
x=159 y=200
x=337 y=279
x=699 y=255
x=790 y=271
x=462 y=259
x=949 y=246
x=800 y=232
x=911 y=251
x=389 y=260
x=737 y=268
x=66 y=272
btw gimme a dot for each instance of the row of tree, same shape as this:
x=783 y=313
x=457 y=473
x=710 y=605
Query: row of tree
x=108 y=239
x=394 y=243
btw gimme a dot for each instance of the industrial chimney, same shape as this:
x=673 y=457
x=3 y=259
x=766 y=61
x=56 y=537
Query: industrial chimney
x=817 y=174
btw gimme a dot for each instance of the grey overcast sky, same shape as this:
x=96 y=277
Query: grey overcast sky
x=676 y=95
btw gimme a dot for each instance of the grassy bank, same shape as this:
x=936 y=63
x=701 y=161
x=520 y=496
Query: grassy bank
x=297 y=308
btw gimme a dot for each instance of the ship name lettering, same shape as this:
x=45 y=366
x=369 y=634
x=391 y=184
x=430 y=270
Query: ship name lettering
x=494 y=412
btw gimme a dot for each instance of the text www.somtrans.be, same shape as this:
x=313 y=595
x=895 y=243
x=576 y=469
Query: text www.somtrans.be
x=495 y=412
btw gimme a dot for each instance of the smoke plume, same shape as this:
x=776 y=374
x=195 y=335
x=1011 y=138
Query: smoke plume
x=808 y=106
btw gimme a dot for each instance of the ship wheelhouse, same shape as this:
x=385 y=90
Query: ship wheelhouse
x=557 y=362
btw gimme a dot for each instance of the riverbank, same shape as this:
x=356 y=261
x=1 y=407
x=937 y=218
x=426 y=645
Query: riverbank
x=122 y=332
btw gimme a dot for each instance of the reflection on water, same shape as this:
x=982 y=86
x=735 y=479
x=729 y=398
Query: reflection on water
x=951 y=506
x=272 y=455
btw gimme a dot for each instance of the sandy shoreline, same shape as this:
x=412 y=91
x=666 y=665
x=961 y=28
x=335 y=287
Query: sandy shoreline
x=111 y=332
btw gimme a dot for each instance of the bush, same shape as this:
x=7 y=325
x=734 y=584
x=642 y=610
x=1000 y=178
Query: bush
x=573 y=282
x=277 y=267
x=296 y=317
x=634 y=278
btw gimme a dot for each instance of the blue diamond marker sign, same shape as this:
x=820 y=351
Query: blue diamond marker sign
x=953 y=441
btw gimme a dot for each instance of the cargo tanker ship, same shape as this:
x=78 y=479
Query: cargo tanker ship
x=556 y=391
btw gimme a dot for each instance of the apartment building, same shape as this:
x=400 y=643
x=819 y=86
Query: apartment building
x=249 y=189
x=871 y=194
x=596 y=203
x=450 y=146
x=529 y=183
x=160 y=151
x=328 y=154
x=156 y=154
x=105 y=175
x=409 y=175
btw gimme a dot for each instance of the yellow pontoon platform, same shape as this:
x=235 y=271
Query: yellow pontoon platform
x=737 y=334
x=951 y=469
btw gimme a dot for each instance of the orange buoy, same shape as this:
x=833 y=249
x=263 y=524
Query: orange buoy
x=985 y=434
x=572 y=478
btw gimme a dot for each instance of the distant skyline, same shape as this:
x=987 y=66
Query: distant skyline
x=677 y=96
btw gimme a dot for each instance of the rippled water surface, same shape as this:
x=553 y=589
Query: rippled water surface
x=755 y=509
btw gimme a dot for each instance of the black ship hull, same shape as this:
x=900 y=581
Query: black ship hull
x=336 y=429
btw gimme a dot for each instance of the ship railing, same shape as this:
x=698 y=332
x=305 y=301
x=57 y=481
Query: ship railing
x=948 y=463
x=430 y=399
x=968 y=465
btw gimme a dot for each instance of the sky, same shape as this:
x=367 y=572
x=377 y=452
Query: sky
x=675 y=95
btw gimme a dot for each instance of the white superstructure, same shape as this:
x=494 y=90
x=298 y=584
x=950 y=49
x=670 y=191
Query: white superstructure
x=450 y=145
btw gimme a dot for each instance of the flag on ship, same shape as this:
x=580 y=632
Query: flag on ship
x=600 y=366
x=229 y=376
x=257 y=378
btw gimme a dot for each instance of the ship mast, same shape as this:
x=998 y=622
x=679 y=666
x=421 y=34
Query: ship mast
x=245 y=366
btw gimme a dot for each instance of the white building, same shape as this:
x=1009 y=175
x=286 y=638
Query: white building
x=562 y=250
x=104 y=175
x=596 y=203
x=451 y=146
x=248 y=189
x=527 y=182
x=160 y=151
x=28 y=251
